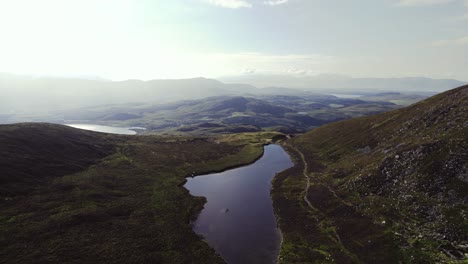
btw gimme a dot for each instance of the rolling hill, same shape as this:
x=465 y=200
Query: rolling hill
x=386 y=188
x=229 y=114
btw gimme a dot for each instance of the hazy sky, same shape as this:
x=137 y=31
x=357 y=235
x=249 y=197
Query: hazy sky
x=149 y=39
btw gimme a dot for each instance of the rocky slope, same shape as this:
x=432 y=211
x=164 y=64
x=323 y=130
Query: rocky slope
x=390 y=188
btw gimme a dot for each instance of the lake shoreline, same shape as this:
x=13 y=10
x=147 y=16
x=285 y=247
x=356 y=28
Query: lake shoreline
x=232 y=167
x=239 y=233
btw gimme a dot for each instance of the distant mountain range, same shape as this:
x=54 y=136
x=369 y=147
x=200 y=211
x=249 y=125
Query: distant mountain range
x=21 y=93
x=43 y=94
x=338 y=84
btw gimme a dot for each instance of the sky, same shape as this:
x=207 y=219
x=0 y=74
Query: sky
x=157 y=39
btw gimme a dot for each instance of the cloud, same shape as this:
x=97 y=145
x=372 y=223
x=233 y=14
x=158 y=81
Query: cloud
x=261 y=63
x=234 y=4
x=295 y=71
x=248 y=71
x=465 y=16
x=422 y=2
x=275 y=2
x=412 y=3
x=452 y=42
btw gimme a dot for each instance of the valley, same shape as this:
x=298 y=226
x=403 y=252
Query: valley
x=365 y=188
x=227 y=114
x=196 y=106
x=75 y=196
x=233 y=132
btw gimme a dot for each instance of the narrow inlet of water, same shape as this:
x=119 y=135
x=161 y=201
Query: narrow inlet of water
x=238 y=220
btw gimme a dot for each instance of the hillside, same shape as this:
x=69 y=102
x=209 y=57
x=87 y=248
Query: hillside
x=32 y=154
x=386 y=188
x=74 y=196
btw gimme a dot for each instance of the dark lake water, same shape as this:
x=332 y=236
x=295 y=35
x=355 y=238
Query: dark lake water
x=238 y=219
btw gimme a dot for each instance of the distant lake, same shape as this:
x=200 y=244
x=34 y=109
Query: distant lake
x=347 y=95
x=107 y=129
x=238 y=219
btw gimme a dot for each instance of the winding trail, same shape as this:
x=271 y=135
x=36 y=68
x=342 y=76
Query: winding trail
x=304 y=172
x=336 y=237
x=306 y=190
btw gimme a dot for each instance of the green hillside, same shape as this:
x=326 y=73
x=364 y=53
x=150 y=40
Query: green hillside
x=387 y=188
x=74 y=196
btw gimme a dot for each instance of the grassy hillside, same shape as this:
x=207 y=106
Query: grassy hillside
x=387 y=188
x=72 y=196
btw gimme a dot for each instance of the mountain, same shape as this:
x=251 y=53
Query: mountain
x=40 y=95
x=327 y=83
x=388 y=188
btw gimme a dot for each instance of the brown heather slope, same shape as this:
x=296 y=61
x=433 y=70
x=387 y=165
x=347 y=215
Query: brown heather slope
x=388 y=188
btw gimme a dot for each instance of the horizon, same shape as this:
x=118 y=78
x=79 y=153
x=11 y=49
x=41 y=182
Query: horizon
x=329 y=76
x=121 y=40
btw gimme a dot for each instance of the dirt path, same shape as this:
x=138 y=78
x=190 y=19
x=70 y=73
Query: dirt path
x=304 y=172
